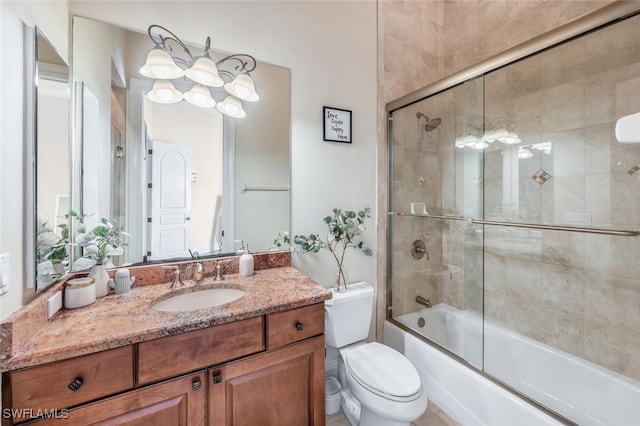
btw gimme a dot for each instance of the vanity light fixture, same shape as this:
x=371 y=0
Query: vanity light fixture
x=543 y=146
x=466 y=141
x=205 y=71
x=160 y=65
x=502 y=130
x=524 y=153
x=164 y=92
x=502 y=135
x=229 y=76
x=470 y=141
x=242 y=88
x=200 y=96
x=232 y=107
x=480 y=145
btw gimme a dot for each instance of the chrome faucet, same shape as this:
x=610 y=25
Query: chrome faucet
x=421 y=300
x=198 y=272
x=219 y=273
x=177 y=282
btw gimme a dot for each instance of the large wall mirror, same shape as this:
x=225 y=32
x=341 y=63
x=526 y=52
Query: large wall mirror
x=47 y=101
x=229 y=178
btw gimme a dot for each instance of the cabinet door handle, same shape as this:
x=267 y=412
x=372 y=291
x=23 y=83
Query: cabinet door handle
x=76 y=384
x=299 y=326
x=196 y=384
x=217 y=378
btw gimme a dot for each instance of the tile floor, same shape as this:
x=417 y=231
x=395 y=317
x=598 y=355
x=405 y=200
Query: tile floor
x=434 y=416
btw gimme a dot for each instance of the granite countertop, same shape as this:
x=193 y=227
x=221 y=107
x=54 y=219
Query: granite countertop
x=119 y=320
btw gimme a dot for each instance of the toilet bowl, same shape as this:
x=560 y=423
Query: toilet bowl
x=380 y=386
x=385 y=383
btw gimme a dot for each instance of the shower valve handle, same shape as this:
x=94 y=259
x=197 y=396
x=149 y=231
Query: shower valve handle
x=418 y=250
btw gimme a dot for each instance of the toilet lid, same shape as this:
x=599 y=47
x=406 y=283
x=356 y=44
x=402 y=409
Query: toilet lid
x=383 y=371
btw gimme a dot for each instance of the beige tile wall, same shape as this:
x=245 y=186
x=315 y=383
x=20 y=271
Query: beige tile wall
x=575 y=291
x=410 y=56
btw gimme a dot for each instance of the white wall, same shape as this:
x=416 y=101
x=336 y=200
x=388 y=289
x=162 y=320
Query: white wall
x=330 y=47
x=52 y=18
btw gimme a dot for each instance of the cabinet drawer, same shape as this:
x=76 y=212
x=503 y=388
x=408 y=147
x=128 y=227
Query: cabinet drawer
x=182 y=353
x=291 y=326
x=177 y=402
x=96 y=375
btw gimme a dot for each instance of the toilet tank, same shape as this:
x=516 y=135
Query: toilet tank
x=348 y=315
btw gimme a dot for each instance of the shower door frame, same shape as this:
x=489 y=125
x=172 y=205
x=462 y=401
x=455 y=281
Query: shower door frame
x=592 y=21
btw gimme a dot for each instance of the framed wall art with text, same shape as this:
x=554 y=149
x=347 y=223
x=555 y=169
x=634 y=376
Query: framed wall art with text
x=337 y=125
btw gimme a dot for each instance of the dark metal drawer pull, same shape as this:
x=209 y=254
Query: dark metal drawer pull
x=76 y=384
x=299 y=326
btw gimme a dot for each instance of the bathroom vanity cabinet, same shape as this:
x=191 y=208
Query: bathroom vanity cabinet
x=263 y=370
x=280 y=387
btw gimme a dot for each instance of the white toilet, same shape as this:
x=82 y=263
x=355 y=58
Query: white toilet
x=380 y=387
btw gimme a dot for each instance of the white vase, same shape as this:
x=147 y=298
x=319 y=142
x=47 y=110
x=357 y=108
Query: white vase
x=58 y=268
x=101 y=279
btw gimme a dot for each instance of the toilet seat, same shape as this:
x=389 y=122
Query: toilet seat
x=383 y=371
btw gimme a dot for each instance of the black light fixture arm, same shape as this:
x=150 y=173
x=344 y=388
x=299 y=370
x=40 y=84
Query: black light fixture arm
x=164 y=41
x=244 y=64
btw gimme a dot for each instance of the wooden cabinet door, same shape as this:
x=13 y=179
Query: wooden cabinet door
x=284 y=387
x=177 y=402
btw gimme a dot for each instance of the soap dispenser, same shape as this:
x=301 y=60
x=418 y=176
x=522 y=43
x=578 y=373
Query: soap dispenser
x=246 y=263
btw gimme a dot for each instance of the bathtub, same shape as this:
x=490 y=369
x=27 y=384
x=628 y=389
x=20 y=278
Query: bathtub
x=576 y=389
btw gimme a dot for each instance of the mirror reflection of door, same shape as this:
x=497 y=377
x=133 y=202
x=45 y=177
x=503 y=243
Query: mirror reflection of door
x=170 y=200
x=186 y=180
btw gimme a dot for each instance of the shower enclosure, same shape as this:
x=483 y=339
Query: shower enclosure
x=514 y=217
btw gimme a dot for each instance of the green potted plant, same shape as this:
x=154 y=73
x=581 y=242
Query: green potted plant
x=343 y=229
x=52 y=249
x=99 y=245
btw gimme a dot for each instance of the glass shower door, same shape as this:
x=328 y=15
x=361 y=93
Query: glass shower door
x=435 y=277
x=515 y=224
x=562 y=317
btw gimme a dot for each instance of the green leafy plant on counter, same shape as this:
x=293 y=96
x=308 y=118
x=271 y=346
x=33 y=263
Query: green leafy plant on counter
x=99 y=244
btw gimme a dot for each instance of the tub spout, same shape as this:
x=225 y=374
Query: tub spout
x=421 y=300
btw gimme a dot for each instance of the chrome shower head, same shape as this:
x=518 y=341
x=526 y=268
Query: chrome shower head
x=431 y=124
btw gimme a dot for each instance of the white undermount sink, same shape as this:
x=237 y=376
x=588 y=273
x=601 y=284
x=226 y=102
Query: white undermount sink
x=198 y=300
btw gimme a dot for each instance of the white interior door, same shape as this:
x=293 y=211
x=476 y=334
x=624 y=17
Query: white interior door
x=170 y=201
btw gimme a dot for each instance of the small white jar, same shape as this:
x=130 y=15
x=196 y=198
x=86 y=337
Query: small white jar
x=79 y=292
